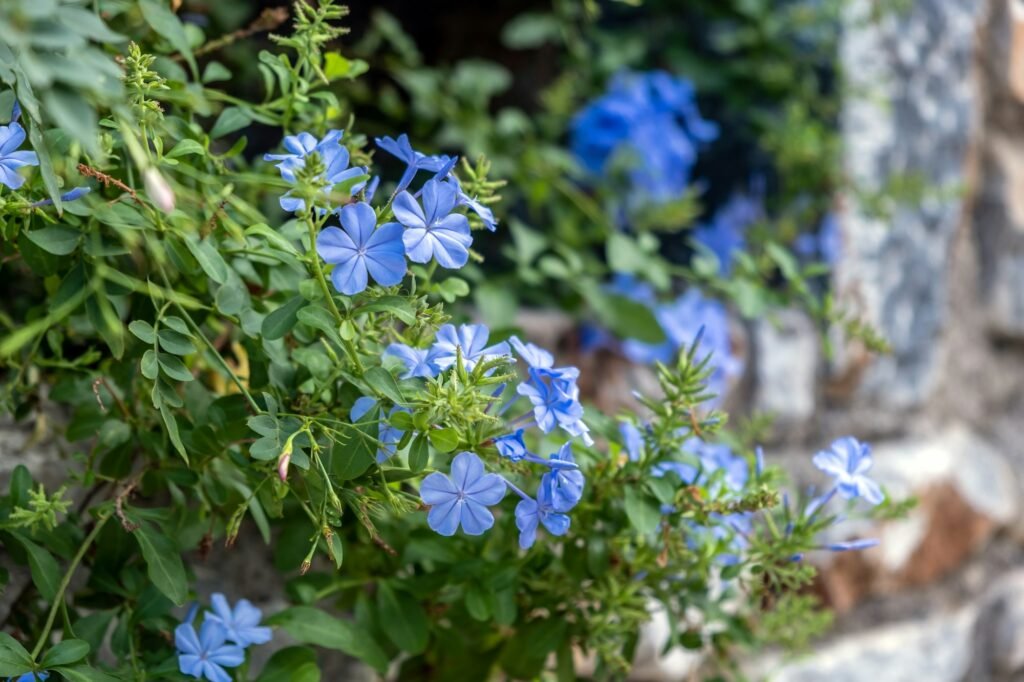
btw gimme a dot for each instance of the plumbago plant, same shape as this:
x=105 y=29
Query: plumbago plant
x=270 y=347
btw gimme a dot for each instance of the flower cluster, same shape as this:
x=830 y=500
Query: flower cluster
x=648 y=121
x=221 y=641
x=461 y=498
x=427 y=226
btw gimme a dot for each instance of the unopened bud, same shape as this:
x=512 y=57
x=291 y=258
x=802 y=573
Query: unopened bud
x=282 y=464
x=160 y=193
x=304 y=569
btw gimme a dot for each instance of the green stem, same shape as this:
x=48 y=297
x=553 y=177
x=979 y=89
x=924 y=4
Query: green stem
x=318 y=271
x=65 y=581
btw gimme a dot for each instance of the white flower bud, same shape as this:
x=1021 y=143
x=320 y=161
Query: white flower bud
x=158 y=190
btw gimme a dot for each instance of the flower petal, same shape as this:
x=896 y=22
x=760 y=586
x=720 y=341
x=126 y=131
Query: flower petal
x=350 y=277
x=476 y=518
x=186 y=640
x=437 y=489
x=408 y=212
x=466 y=469
x=444 y=518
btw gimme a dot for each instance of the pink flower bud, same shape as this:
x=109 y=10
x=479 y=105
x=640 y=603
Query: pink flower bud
x=160 y=193
x=282 y=464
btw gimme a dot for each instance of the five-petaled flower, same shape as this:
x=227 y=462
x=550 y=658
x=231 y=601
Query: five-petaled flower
x=469 y=340
x=433 y=231
x=463 y=497
x=848 y=461
x=555 y=398
x=242 y=623
x=359 y=250
x=11 y=137
x=205 y=656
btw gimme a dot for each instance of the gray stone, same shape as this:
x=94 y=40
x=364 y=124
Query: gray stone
x=786 y=352
x=912 y=113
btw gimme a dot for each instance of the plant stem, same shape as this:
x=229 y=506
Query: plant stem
x=318 y=270
x=65 y=581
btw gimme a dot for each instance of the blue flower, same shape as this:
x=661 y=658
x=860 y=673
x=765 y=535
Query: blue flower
x=651 y=122
x=724 y=235
x=851 y=545
x=848 y=461
x=388 y=435
x=533 y=355
x=511 y=445
x=11 y=137
x=414 y=161
x=359 y=250
x=564 y=485
x=687 y=473
x=205 y=656
x=463 y=498
x=468 y=339
x=419 y=362
x=717 y=457
x=531 y=513
x=484 y=212
x=31 y=677
x=555 y=399
x=826 y=244
x=242 y=624
x=433 y=231
x=632 y=440
x=333 y=154
x=73 y=195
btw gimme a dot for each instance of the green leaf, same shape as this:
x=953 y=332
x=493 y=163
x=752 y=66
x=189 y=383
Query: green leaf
x=60 y=241
x=215 y=71
x=312 y=626
x=282 y=320
x=67 y=651
x=445 y=440
x=42 y=151
x=83 y=673
x=624 y=255
x=531 y=30
x=143 y=331
x=175 y=342
x=163 y=562
x=230 y=120
x=353 y=457
x=14 y=658
x=104 y=319
x=172 y=432
x=150 y=366
x=405 y=618
x=162 y=20
x=43 y=567
x=395 y=305
x=185 y=147
x=478 y=603
x=174 y=367
x=383 y=383
x=292 y=664
x=643 y=514
x=209 y=259
x=73 y=115
x=337 y=550
x=628 y=319
x=419 y=454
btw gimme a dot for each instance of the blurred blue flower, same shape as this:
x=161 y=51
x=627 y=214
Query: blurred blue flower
x=360 y=249
x=468 y=339
x=463 y=497
x=419 y=362
x=531 y=513
x=205 y=656
x=651 y=122
x=725 y=234
x=242 y=623
x=848 y=461
x=826 y=244
x=851 y=545
x=484 y=212
x=433 y=231
x=532 y=354
x=414 y=161
x=12 y=136
x=632 y=440
x=333 y=155
x=687 y=473
x=31 y=677
x=564 y=485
